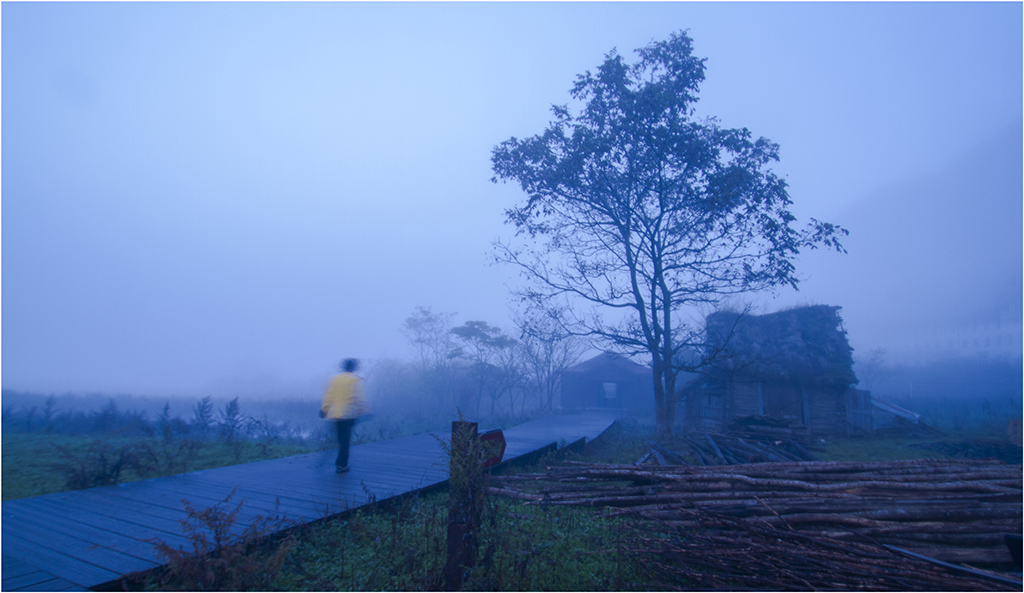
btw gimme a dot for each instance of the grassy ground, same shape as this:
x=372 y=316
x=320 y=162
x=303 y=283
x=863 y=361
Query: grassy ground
x=521 y=548
x=878 y=449
x=976 y=444
x=41 y=463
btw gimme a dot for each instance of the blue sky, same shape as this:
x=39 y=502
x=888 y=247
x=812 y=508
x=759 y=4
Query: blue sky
x=228 y=198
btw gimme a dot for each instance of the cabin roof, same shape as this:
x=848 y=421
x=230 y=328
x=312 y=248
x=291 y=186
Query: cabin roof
x=803 y=344
x=610 y=362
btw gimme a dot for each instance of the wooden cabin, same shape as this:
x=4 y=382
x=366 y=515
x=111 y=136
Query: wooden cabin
x=609 y=381
x=793 y=367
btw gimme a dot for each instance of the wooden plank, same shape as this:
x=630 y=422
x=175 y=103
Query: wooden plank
x=162 y=494
x=62 y=563
x=22 y=581
x=39 y=581
x=267 y=502
x=90 y=502
x=87 y=522
x=368 y=468
x=324 y=487
x=12 y=567
x=170 y=494
x=143 y=542
x=98 y=541
x=302 y=487
x=78 y=543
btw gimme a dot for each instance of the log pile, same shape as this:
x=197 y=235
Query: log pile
x=733 y=555
x=762 y=444
x=955 y=511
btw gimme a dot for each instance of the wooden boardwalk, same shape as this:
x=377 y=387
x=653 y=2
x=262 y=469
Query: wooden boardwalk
x=87 y=538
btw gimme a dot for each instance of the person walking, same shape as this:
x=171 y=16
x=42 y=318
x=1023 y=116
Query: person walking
x=344 y=402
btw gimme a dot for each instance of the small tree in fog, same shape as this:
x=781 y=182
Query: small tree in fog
x=231 y=421
x=429 y=333
x=202 y=416
x=636 y=209
x=164 y=423
x=491 y=356
x=107 y=418
x=513 y=385
x=29 y=415
x=49 y=413
x=546 y=351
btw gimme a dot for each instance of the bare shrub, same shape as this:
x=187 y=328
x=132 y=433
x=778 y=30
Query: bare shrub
x=101 y=464
x=221 y=558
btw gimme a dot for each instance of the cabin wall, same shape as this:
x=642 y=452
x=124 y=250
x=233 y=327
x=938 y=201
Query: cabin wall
x=706 y=407
x=573 y=391
x=587 y=390
x=784 y=401
x=827 y=409
x=744 y=399
x=817 y=410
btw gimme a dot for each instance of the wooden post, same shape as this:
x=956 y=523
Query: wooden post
x=465 y=493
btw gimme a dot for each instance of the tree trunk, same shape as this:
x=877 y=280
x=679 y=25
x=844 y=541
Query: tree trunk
x=662 y=418
x=670 y=400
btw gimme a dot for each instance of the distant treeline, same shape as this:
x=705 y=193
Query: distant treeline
x=28 y=412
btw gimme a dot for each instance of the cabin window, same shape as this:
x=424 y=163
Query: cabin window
x=610 y=390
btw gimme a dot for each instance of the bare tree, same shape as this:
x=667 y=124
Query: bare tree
x=492 y=360
x=430 y=334
x=547 y=351
x=638 y=211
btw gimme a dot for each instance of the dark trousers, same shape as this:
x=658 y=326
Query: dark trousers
x=344 y=429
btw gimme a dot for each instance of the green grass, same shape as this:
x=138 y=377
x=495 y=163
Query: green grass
x=888 y=448
x=33 y=463
x=877 y=449
x=521 y=548
x=29 y=463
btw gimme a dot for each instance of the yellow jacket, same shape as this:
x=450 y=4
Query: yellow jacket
x=344 y=398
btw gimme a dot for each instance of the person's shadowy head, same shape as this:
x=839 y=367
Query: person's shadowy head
x=349 y=365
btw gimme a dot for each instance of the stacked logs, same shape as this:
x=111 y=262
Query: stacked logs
x=721 y=449
x=731 y=554
x=949 y=510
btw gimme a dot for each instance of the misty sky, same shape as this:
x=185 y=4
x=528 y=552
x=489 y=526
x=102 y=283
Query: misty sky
x=228 y=198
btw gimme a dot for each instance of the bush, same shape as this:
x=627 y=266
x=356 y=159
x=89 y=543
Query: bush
x=100 y=464
x=221 y=560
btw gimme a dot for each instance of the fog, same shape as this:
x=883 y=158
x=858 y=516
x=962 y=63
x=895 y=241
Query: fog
x=226 y=199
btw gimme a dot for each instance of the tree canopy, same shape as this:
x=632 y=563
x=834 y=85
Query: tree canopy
x=635 y=205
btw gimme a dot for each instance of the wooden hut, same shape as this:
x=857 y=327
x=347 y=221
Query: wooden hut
x=608 y=380
x=793 y=367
